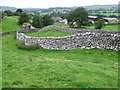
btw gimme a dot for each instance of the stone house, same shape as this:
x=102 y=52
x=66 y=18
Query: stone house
x=64 y=21
x=25 y=26
x=111 y=20
x=57 y=19
x=93 y=19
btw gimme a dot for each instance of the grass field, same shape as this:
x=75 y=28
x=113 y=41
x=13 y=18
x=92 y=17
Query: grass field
x=61 y=25
x=107 y=27
x=111 y=27
x=48 y=33
x=0 y=63
x=108 y=14
x=42 y=68
x=59 y=69
x=10 y=24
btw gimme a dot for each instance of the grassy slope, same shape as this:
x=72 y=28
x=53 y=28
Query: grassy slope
x=0 y=63
x=108 y=14
x=52 y=68
x=61 y=25
x=10 y=24
x=107 y=27
x=55 y=68
x=111 y=27
x=94 y=7
x=48 y=33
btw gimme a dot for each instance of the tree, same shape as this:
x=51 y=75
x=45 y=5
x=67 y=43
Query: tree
x=37 y=21
x=64 y=16
x=2 y=15
x=19 y=11
x=99 y=24
x=79 y=15
x=47 y=20
x=113 y=16
x=9 y=13
x=70 y=20
x=24 y=17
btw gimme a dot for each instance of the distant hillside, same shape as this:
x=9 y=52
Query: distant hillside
x=3 y=8
x=63 y=9
x=94 y=7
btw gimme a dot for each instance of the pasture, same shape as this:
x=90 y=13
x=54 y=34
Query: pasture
x=42 y=68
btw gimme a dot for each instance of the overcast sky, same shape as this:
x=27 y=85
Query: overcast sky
x=53 y=3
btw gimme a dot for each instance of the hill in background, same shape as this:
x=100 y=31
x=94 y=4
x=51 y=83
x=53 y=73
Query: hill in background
x=3 y=8
x=93 y=7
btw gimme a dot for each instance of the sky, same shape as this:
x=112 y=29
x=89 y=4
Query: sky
x=54 y=3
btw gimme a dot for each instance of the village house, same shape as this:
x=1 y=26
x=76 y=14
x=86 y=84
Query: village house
x=57 y=19
x=64 y=21
x=60 y=20
x=93 y=19
x=25 y=26
x=111 y=20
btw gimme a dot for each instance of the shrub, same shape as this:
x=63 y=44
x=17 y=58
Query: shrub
x=9 y=13
x=21 y=45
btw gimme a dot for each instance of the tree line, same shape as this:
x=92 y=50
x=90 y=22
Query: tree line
x=6 y=13
x=77 y=17
x=37 y=20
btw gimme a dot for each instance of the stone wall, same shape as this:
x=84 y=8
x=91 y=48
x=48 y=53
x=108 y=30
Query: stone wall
x=20 y=31
x=84 y=39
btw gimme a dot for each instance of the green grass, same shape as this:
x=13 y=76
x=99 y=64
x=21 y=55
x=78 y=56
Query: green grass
x=108 y=14
x=42 y=68
x=0 y=63
x=95 y=7
x=10 y=24
x=48 y=33
x=61 y=25
x=107 y=27
x=112 y=27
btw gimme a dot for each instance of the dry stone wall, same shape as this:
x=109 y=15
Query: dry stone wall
x=20 y=31
x=83 y=39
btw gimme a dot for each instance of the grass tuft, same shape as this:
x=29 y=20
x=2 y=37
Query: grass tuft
x=21 y=45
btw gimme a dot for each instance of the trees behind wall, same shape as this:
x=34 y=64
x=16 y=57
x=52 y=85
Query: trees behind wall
x=37 y=21
x=24 y=18
x=78 y=16
x=41 y=21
